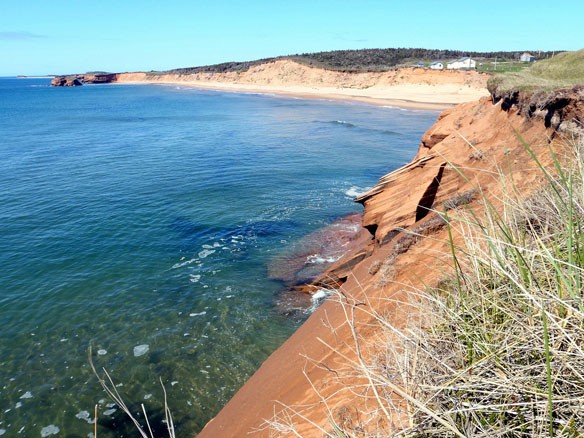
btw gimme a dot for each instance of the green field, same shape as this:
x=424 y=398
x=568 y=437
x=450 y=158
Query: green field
x=504 y=66
x=564 y=70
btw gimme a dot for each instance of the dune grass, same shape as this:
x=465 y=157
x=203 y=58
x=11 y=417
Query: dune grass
x=497 y=347
x=506 y=346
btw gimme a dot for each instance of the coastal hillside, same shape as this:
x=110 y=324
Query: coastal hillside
x=456 y=256
x=290 y=73
x=366 y=362
x=349 y=61
x=407 y=87
x=362 y=60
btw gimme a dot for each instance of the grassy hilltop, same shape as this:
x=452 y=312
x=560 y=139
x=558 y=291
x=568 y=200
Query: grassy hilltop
x=365 y=60
x=562 y=71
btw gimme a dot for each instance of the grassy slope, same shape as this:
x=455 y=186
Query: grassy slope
x=503 y=353
x=562 y=71
x=505 y=346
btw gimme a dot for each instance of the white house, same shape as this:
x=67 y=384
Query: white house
x=527 y=57
x=462 y=63
x=437 y=65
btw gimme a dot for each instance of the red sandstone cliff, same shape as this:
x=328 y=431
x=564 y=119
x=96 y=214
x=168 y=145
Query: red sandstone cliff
x=467 y=150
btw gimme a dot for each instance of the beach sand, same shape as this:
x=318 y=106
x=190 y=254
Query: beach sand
x=413 y=88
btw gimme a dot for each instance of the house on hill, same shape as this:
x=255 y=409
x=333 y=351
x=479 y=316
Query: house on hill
x=437 y=65
x=461 y=64
x=527 y=57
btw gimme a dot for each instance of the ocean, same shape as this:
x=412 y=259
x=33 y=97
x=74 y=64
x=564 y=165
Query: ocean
x=140 y=230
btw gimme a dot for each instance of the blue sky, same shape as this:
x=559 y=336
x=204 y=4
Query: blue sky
x=45 y=37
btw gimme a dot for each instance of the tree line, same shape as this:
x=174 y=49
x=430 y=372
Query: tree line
x=362 y=60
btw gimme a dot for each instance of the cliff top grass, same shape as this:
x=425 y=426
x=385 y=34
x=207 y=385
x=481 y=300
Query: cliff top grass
x=564 y=70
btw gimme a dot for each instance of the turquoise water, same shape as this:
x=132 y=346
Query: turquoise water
x=140 y=221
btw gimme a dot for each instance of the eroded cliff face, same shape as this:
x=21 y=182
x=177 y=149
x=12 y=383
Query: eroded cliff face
x=78 y=80
x=463 y=150
x=474 y=147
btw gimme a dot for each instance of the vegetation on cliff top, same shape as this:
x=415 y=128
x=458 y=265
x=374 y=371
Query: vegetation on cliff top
x=503 y=355
x=364 y=60
x=367 y=60
x=564 y=70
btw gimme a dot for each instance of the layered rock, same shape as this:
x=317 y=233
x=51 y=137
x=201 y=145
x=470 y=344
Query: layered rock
x=66 y=81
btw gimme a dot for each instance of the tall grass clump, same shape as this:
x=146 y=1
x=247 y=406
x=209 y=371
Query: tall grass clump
x=505 y=349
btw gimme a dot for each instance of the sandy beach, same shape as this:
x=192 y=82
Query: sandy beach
x=412 y=88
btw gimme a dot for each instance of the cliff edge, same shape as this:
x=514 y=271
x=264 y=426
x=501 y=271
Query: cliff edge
x=310 y=382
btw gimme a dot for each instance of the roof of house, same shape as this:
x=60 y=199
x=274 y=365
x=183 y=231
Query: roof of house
x=464 y=59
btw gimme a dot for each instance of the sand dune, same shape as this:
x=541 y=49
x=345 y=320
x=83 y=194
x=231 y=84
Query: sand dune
x=408 y=87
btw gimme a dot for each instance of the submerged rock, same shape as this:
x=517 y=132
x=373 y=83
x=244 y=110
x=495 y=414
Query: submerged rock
x=141 y=350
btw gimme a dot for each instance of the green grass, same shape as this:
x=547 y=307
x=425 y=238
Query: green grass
x=505 y=66
x=362 y=60
x=564 y=70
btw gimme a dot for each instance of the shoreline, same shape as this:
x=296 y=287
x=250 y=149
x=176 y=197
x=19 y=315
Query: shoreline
x=282 y=380
x=406 y=87
x=378 y=98
x=311 y=95
x=283 y=384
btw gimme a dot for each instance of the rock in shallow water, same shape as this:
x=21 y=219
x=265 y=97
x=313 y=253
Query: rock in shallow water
x=50 y=430
x=140 y=350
